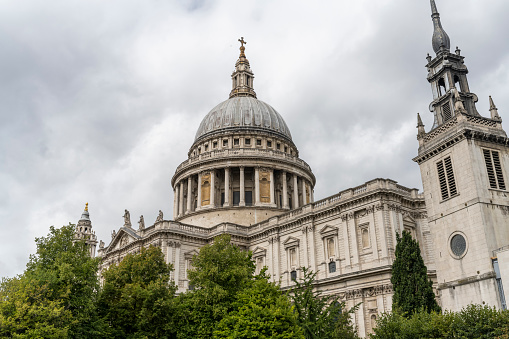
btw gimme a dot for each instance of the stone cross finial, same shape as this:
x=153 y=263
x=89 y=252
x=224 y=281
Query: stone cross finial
x=242 y=42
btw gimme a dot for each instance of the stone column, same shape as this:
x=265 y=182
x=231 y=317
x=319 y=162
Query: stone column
x=372 y=233
x=198 y=205
x=295 y=192
x=242 y=201
x=181 y=198
x=189 y=195
x=212 y=188
x=257 y=186
x=177 y=264
x=175 y=202
x=285 y=191
x=226 y=187
x=272 y=200
x=303 y=182
x=353 y=239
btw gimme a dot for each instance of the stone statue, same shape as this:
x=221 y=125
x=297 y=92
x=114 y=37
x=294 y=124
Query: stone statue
x=113 y=234
x=458 y=102
x=127 y=219
x=141 y=223
x=159 y=217
x=101 y=244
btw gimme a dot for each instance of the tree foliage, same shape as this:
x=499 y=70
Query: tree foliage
x=260 y=311
x=56 y=293
x=136 y=299
x=473 y=321
x=320 y=316
x=219 y=272
x=412 y=288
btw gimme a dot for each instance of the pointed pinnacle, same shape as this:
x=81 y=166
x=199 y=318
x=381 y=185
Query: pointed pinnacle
x=419 y=120
x=492 y=104
x=433 y=7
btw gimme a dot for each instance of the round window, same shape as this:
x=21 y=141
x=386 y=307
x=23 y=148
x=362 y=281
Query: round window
x=458 y=245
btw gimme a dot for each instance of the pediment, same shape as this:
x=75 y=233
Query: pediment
x=329 y=231
x=122 y=238
x=291 y=242
x=259 y=252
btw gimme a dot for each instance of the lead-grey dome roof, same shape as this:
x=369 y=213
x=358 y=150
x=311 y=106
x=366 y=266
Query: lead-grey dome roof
x=243 y=112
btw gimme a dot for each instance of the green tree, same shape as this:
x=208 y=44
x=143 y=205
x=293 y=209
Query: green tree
x=60 y=282
x=136 y=299
x=28 y=309
x=472 y=322
x=320 y=316
x=260 y=311
x=412 y=288
x=220 y=271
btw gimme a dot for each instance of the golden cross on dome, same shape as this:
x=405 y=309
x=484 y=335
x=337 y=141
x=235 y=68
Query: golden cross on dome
x=86 y=207
x=242 y=48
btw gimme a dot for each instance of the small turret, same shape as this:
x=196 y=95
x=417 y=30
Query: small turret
x=84 y=231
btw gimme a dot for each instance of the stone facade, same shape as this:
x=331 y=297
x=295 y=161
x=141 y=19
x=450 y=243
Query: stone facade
x=244 y=177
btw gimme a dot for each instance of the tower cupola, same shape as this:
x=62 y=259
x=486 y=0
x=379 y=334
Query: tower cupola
x=84 y=231
x=242 y=76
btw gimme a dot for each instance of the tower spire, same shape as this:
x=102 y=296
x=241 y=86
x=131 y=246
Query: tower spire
x=441 y=42
x=242 y=76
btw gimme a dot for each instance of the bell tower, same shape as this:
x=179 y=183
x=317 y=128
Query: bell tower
x=464 y=162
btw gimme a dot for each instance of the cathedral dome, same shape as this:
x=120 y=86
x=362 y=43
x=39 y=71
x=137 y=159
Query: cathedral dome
x=243 y=113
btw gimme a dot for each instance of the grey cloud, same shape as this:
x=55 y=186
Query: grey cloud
x=100 y=101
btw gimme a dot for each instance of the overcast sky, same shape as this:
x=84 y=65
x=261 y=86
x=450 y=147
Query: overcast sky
x=100 y=100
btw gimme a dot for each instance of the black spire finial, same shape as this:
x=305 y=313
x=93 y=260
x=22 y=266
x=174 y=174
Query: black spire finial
x=441 y=41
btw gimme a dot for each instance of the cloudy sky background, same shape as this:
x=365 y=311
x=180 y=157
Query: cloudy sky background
x=100 y=100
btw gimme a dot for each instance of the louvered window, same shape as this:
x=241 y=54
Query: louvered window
x=446 y=178
x=494 y=169
x=446 y=111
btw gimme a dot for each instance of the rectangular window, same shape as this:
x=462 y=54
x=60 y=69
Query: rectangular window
x=206 y=148
x=446 y=178
x=236 y=142
x=494 y=168
x=278 y=146
x=225 y=143
x=248 y=142
x=236 y=198
x=214 y=144
x=258 y=142
x=269 y=143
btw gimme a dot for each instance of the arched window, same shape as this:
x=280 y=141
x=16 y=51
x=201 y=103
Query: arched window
x=441 y=87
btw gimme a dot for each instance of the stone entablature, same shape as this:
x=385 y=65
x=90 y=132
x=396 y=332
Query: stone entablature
x=242 y=153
